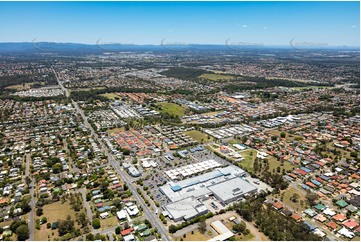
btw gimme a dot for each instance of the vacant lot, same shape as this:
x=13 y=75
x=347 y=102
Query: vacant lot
x=289 y=137
x=197 y=236
x=108 y=222
x=311 y=87
x=115 y=130
x=111 y=96
x=273 y=164
x=21 y=87
x=287 y=194
x=53 y=212
x=216 y=77
x=56 y=211
x=250 y=155
x=172 y=109
x=199 y=136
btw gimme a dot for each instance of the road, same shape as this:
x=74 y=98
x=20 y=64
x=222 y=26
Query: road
x=150 y=215
x=87 y=207
x=32 y=200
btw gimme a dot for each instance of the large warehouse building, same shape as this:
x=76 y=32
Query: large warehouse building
x=186 y=196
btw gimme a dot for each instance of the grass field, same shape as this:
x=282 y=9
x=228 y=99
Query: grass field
x=295 y=205
x=289 y=137
x=21 y=87
x=56 y=211
x=111 y=96
x=197 y=236
x=216 y=77
x=273 y=164
x=53 y=212
x=250 y=155
x=115 y=130
x=199 y=136
x=172 y=109
x=311 y=87
x=108 y=222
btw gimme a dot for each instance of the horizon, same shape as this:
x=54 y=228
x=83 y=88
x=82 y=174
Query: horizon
x=331 y=24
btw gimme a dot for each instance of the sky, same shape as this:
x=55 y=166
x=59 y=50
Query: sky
x=266 y=23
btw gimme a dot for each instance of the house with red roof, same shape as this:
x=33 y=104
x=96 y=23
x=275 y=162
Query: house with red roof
x=126 y=231
x=339 y=217
x=350 y=224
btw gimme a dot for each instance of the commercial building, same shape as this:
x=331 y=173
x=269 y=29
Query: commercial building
x=222 y=230
x=185 y=209
x=187 y=196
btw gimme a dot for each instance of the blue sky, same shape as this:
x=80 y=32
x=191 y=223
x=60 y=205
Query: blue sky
x=268 y=23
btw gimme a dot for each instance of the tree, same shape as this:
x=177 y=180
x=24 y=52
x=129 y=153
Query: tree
x=96 y=223
x=117 y=230
x=311 y=198
x=89 y=237
x=22 y=232
x=44 y=220
x=283 y=135
x=39 y=212
x=294 y=198
x=65 y=226
x=172 y=229
x=239 y=228
x=202 y=226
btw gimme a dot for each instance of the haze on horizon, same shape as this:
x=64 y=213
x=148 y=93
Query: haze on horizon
x=266 y=23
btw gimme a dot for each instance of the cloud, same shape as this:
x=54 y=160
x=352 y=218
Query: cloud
x=170 y=30
x=353 y=26
x=265 y=27
x=244 y=26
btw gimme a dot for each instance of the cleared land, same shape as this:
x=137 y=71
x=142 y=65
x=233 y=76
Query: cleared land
x=289 y=137
x=108 y=222
x=115 y=130
x=53 y=212
x=216 y=77
x=199 y=136
x=171 y=109
x=311 y=87
x=250 y=155
x=288 y=193
x=111 y=96
x=21 y=87
x=197 y=236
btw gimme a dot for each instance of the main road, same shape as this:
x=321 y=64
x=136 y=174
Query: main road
x=150 y=215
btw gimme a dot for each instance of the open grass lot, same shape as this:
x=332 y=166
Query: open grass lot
x=199 y=136
x=273 y=164
x=56 y=211
x=311 y=87
x=216 y=77
x=115 y=130
x=21 y=87
x=5 y=223
x=172 y=109
x=111 y=96
x=53 y=212
x=108 y=222
x=289 y=137
x=197 y=236
x=287 y=194
x=250 y=155
x=345 y=153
